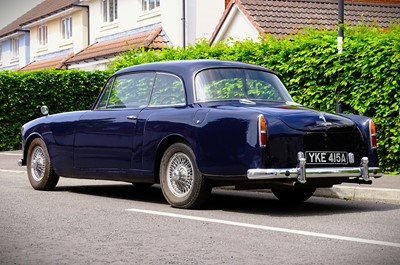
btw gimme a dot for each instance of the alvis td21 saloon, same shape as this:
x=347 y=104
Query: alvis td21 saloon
x=194 y=125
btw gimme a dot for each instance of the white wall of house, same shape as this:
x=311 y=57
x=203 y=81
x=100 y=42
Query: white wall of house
x=56 y=44
x=80 y=29
x=202 y=16
x=8 y=60
x=171 y=12
x=100 y=65
x=129 y=16
x=24 y=50
x=237 y=26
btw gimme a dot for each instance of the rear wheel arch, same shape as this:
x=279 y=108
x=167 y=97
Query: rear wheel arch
x=162 y=147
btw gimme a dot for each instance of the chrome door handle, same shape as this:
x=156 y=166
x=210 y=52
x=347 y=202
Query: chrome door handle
x=131 y=117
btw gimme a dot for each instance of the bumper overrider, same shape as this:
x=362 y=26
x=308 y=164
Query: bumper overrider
x=301 y=173
x=21 y=162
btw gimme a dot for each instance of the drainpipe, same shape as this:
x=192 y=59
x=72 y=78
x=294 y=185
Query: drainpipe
x=184 y=24
x=340 y=29
x=338 y=105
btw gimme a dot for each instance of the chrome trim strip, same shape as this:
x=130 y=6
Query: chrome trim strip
x=301 y=173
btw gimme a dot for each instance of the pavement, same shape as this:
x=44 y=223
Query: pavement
x=385 y=189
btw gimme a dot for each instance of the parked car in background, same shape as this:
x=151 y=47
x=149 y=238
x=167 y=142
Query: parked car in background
x=197 y=124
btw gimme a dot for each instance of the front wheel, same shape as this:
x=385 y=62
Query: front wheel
x=181 y=182
x=293 y=195
x=40 y=172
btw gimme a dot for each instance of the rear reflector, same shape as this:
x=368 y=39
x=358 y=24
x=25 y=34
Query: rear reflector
x=262 y=131
x=372 y=133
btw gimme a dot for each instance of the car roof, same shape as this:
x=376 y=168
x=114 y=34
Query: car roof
x=188 y=67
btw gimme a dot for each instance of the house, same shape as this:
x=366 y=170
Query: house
x=249 y=19
x=89 y=34
x=14 y=45
x=59 y=30
x=48 y=34
x=120 y=25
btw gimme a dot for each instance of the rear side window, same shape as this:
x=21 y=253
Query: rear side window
x=168 y=90
x=127 y=91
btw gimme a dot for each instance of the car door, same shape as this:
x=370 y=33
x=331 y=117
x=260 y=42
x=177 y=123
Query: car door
x=104 y=136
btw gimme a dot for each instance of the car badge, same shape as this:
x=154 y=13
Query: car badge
x=324 y=123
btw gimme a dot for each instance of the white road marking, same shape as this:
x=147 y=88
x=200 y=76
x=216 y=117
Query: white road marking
x=269 y=228
x=12 y=171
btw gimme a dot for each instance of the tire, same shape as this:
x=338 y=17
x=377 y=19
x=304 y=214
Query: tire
x=181 y=182
x=293 y=195
x=40 y=173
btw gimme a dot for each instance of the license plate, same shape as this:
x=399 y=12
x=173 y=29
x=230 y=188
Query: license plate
x=326 y=157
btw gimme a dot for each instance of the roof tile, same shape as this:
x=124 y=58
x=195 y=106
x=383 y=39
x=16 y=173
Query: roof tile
x=276 y=16
x=99 y=50
x=53 y=63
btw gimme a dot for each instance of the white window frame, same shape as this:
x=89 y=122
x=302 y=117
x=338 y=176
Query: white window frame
x=109 y=10
x=42 y=36
x=15 y=48
x=66 y=28
x=149 y=5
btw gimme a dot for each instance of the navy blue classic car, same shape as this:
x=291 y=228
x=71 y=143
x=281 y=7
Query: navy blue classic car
x=194 y=125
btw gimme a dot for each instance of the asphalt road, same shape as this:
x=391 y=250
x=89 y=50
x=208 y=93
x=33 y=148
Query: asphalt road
x=99 y=222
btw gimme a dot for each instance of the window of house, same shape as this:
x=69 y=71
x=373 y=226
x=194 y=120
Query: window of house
x=148 y=5
x=109 y=10
x=15 y=48
x=66 y=28
x=1 y=51
x=42 y=35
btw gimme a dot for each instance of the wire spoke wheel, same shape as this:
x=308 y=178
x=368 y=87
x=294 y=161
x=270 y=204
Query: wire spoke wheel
x=38 y=163
x=180 y=174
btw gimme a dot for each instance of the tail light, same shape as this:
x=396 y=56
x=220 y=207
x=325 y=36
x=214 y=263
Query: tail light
x=372 y=134
x=262 y=131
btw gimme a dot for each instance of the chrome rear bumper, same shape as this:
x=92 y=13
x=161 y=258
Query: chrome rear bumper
x=301 y=172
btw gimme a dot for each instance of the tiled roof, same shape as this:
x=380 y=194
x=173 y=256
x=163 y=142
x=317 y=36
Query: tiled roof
x=102 y=50
x=53 y=63
x=42 y=10
x=13 y=26
x=282 y=17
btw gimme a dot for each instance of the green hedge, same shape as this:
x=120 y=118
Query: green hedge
x=23 y=93
x=366 y=74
